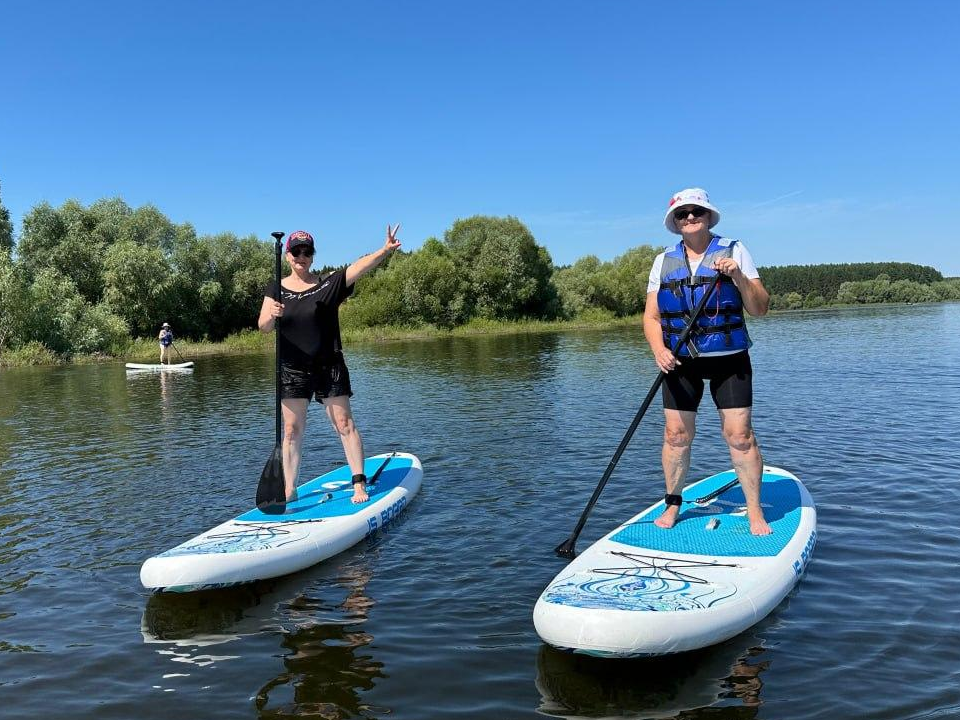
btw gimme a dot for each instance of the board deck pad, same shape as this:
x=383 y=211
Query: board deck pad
x=779 y=496
x=329 y=496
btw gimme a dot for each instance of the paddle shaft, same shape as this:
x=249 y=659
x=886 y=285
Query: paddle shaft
x=178 y=350
x=276 y=296
x=568 y=547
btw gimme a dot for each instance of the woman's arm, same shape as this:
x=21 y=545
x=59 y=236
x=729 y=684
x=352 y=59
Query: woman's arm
x=653 y=331
x=270 y=310
x=756 y=299
x=368 y=262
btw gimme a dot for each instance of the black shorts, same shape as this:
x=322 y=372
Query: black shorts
x=325 y=379
x=730 y=376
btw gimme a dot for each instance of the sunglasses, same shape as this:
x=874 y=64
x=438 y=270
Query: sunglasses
x=302 y=251
x=696 y=211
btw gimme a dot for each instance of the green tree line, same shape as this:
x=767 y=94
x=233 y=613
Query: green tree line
x=825 y=280
x=91 y=279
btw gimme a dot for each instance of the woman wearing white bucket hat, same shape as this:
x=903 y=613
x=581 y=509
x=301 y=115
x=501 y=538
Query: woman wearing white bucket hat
x=718 y=349
x=166 y=340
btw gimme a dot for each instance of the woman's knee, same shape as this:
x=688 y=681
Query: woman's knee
x=343 y=423
x=293 y=429
x=740 y=438
x=678 y=435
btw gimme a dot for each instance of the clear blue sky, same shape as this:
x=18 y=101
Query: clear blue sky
x=824 y=131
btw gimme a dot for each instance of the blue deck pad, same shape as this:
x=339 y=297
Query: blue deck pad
x=779 y=496
x=318 y=499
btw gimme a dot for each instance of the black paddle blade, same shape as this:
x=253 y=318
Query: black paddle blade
x=567 y=549
x=271 y=498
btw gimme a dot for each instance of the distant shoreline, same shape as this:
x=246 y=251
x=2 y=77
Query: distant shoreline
x=255 y=342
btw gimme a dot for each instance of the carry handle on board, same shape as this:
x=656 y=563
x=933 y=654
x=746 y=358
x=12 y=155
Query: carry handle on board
x=568 y=548
x=271 y=490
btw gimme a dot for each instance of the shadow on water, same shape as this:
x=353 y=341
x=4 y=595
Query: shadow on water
x=722 y=681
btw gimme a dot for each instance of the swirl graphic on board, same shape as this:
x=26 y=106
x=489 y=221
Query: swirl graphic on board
x=246 y=538
x=651 y=583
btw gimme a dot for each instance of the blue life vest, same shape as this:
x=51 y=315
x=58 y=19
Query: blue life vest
x=720 y=327
x=166 y=339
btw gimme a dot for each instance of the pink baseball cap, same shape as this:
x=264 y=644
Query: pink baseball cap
x=298 y=238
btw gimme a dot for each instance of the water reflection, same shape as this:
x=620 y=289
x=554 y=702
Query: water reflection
x=326 y=668
x=467 y=359
x=320 y=624
x=722 y=681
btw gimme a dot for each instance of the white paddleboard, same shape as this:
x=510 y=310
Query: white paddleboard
x=642 y=590
x=159 y=366
x=320 y=523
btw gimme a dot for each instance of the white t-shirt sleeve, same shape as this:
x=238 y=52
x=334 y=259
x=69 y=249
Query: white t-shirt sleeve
x=653 y=283
x=745 y=261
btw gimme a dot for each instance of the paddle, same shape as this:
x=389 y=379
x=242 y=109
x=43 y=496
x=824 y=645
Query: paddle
x=178 y=351
x=271 y=494
x=567 y=549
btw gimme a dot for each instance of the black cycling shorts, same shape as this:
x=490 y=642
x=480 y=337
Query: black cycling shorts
x=730 y=376
x=325 y=379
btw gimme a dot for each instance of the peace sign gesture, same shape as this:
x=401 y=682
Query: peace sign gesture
x=391 y=242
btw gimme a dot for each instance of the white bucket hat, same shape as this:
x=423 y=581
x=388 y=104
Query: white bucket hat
x=690 y=196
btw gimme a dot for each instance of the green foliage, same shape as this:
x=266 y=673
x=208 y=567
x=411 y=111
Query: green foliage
x=32 y=353
x=137 y=282
x=508 y=273
x=6 y=235
x=881 y=289
x=15 y=304
x=81 y=280
x=433 y=287
x=620 y=287
x=825 y=280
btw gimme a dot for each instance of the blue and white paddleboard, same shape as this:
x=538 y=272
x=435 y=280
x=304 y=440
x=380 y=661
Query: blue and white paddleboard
x=160 y=366
x=320 y=523
x=642 y=590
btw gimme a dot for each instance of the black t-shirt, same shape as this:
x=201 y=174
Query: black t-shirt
x=310 y=324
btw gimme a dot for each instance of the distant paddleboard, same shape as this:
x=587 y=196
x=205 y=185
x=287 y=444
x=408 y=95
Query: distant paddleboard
x=642 y=590
x=159 y=366
x=320 y=523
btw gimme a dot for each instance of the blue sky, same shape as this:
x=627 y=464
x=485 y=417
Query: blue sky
x=824 y=131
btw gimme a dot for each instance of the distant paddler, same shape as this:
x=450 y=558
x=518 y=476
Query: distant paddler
x=166 y=340
x=311 y=352
x=717 y=351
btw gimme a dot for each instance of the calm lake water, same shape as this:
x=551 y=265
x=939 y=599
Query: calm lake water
x=100 y=469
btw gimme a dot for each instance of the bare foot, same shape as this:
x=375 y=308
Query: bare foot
x=668 y=519
x=359 y=494
x=291 y=494
x=758 y=524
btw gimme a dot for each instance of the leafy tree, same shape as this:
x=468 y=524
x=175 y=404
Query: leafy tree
x=138 y=280
x=433 y=287
x=619 y=286
x=826 y=279
x=6 y=234
x=509 y=274
x=15 y=304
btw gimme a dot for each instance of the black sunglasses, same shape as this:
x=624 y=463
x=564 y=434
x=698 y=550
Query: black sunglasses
x=696 y=211
x=302 y=250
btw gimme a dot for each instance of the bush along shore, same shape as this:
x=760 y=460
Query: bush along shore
x=88 y=283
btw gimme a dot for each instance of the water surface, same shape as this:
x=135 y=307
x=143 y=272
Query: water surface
x=99 y=469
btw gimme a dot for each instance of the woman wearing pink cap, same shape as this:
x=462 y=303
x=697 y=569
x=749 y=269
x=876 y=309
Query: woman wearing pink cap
x=311 y=352
x=718 y=349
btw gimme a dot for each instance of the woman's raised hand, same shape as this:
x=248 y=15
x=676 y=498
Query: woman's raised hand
x=391 y=242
